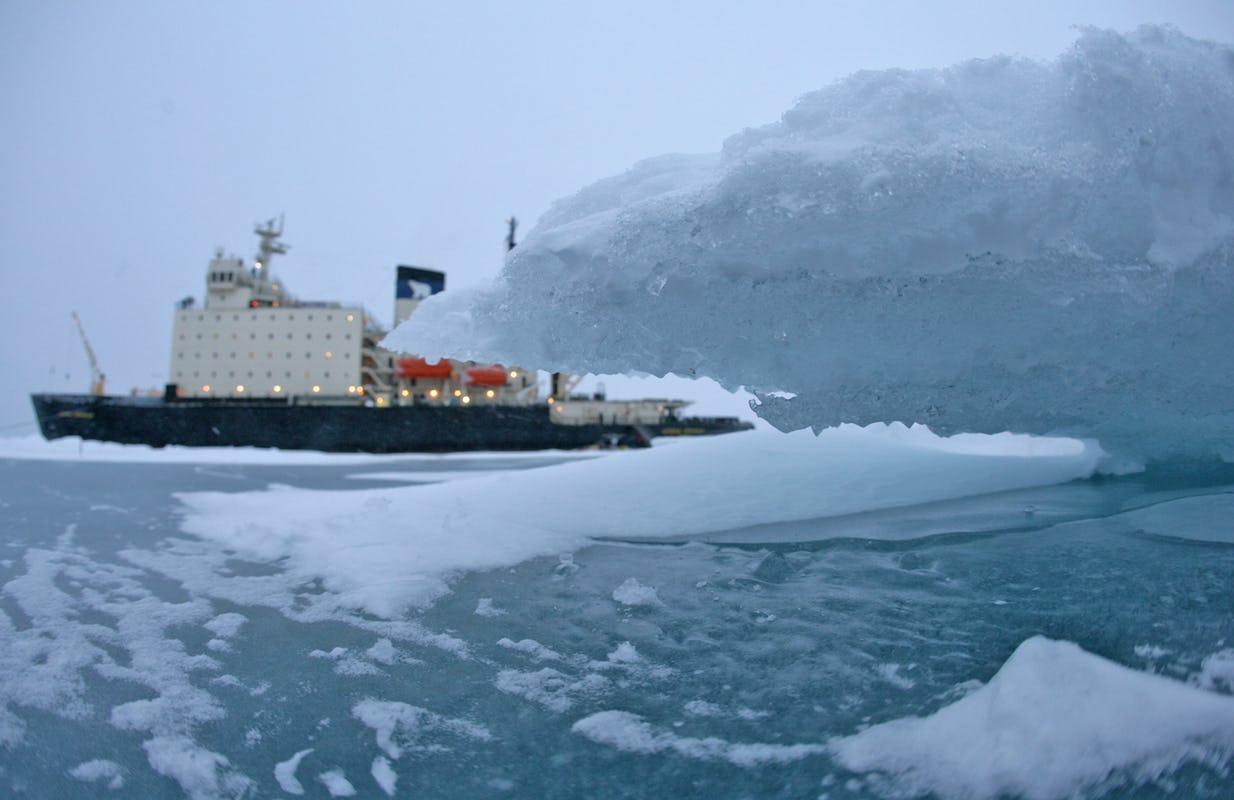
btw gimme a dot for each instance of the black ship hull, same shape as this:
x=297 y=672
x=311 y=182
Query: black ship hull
x=158 y=422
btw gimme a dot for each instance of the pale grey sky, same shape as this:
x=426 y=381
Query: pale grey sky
x=138 y=136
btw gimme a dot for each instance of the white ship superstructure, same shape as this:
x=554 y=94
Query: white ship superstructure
x=252 y=340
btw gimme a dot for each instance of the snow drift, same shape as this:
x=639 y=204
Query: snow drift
x=1000 y=245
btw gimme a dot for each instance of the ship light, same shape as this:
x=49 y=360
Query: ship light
x=277 y=388
x=406 y=392
x=466 y=399
x=252 y=304
x=551 y=401
x=433 y=393
x=206 y=388
x=458 y=392
x=490 y=394
x=381 y=401
x=329 y=354
x=351 y=390
x=351 y=317
x=513 y=373
x=559 y=409
x=359 y=390
x=240 y=388
x=316 y=389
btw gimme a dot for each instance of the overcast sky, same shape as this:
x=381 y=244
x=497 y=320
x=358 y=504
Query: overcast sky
x=138 y=137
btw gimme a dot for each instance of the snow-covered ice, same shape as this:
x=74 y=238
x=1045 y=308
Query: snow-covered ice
x=403 y=544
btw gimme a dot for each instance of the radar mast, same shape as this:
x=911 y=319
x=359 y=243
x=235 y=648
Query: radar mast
x=270 y=246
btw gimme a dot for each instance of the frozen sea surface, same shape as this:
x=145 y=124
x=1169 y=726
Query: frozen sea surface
x=1074 y=639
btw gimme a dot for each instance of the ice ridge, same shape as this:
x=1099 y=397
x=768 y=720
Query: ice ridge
x=1004 y=244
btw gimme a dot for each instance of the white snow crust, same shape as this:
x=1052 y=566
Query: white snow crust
x=387 y=550
x=629 y=732
x=1055 y=722
x=1000 y=245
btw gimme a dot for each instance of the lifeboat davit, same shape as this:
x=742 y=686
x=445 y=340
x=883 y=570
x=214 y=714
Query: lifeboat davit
x=409 y=368
x=487 y=376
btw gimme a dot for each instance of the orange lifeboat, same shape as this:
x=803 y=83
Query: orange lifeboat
x=487 y=376
x=409 y=368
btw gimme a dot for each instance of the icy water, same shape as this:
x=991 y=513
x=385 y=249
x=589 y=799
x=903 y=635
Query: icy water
x=138 y=661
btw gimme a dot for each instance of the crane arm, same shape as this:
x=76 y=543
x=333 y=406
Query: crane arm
x=96 y=375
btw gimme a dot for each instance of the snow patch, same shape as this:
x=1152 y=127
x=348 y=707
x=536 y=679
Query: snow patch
x=99 y=770
x=630 y=733
x=336 y=783
x=532 y=648
x=201 y=773
x=485 y=608
x=554 y=690
x=399 y=725
x=384 y=775
x=285 y=773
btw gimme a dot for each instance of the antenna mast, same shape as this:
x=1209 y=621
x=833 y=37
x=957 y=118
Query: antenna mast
x=510 y=236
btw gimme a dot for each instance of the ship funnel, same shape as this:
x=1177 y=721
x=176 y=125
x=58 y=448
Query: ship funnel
x=413 y=285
